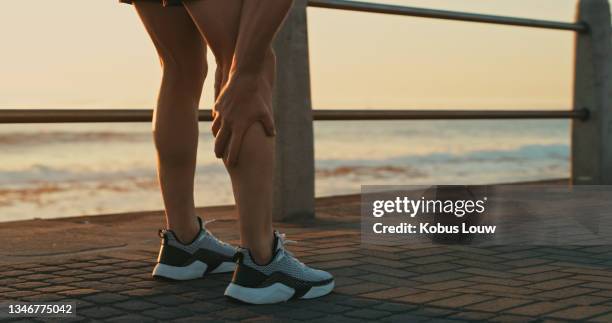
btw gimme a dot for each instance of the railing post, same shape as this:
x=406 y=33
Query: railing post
x=294 y=177
x=592 y=139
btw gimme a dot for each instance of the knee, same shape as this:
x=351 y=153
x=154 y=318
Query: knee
x=186 y=74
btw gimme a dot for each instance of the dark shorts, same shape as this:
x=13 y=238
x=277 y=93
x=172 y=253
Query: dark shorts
x=164 y=2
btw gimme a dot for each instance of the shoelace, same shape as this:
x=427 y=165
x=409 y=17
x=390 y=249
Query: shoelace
x=284 y=240
x=221 y=242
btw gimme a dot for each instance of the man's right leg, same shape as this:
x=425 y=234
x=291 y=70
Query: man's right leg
x=182 y=52
x=188 y=250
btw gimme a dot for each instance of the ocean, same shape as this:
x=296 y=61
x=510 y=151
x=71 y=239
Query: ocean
x=62 y=170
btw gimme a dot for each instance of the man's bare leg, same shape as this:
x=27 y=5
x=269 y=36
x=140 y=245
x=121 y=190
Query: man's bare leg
x=252 y=179
x=182 y=52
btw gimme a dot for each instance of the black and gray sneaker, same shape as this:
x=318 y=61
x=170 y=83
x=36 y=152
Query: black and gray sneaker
x=205 y=254
x=282 y=279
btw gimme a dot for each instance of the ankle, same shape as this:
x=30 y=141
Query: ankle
x=261 y=257
x=186 y=232
x=262 y=251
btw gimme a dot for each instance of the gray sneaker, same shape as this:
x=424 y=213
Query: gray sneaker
x=204 y=255
x=282 y=279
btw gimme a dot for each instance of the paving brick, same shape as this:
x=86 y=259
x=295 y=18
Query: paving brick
x=447 y=285
x=488 y=273
x=23 y=266
x=63 y=280
x=78 y=292
x=11 y=281
x=29 y=285
x=76 y=265
x=606 y=286
x=426 y=297
x=349 y=272
x=360 y=288
x=431 y=259
x=545 y=276
x=534 y=269
x=565 y=292
x=388 y=280
x=170 y=300
x=345 y=281
x=506 y=318
x=107 y=261
x=467 y=263
x=499 y=304
x=327 y=265
x=15 y=273
x=461 y=300
x=43 y=298
x=73 y=272
x=135 y=305
x=38 y=277
x=593 y=278
x=381 y=254
x=96 y=276
x=602 y=318
x=391 y=293
x=105 y=298
x=433 y=268
x=585 y=300
x=528 y=262
x=358 y=302
x=504 y=289
x=589 y=271
x=102 y=269
x=54 y=288
x=537 y=309
x=367 y=314
x=472 y=316
x=99 y=312
x=130 y=318
x=580 y=312
x=441 y=276
x=555 y=284
x=330 y=257
x=19 y=294
x=302 y=314
x=395 y=307
x=386 y=270
x=384 y=262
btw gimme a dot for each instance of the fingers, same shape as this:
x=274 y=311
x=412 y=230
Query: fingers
x=216 y=124
x=268 y=123
x=221 y=140
x=234 y=147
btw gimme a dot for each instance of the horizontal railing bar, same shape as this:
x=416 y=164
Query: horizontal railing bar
x=139 y=115
x=447 y=114
x=444 y=14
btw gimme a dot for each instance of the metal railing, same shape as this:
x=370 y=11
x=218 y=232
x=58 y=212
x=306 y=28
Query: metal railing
x=444 y=14
x=294 y=186
x=142 y=115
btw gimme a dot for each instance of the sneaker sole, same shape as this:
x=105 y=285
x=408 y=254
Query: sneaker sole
x=195 y=270
x=276 y=293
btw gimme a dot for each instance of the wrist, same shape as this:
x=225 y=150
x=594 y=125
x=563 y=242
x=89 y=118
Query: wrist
x=253 y=66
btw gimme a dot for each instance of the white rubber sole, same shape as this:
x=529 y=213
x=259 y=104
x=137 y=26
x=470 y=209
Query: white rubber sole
x=193 y=271
x=276 y=293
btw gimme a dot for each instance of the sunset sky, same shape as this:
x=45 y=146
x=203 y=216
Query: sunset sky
x=96 y=54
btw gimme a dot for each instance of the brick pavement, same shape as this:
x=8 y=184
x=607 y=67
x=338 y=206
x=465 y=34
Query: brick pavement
x=407 y=283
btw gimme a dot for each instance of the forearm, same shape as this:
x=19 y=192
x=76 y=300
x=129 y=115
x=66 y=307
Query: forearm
x=260 y=20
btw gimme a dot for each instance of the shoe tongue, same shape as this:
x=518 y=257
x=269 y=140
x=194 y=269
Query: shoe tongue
x=278 y=242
